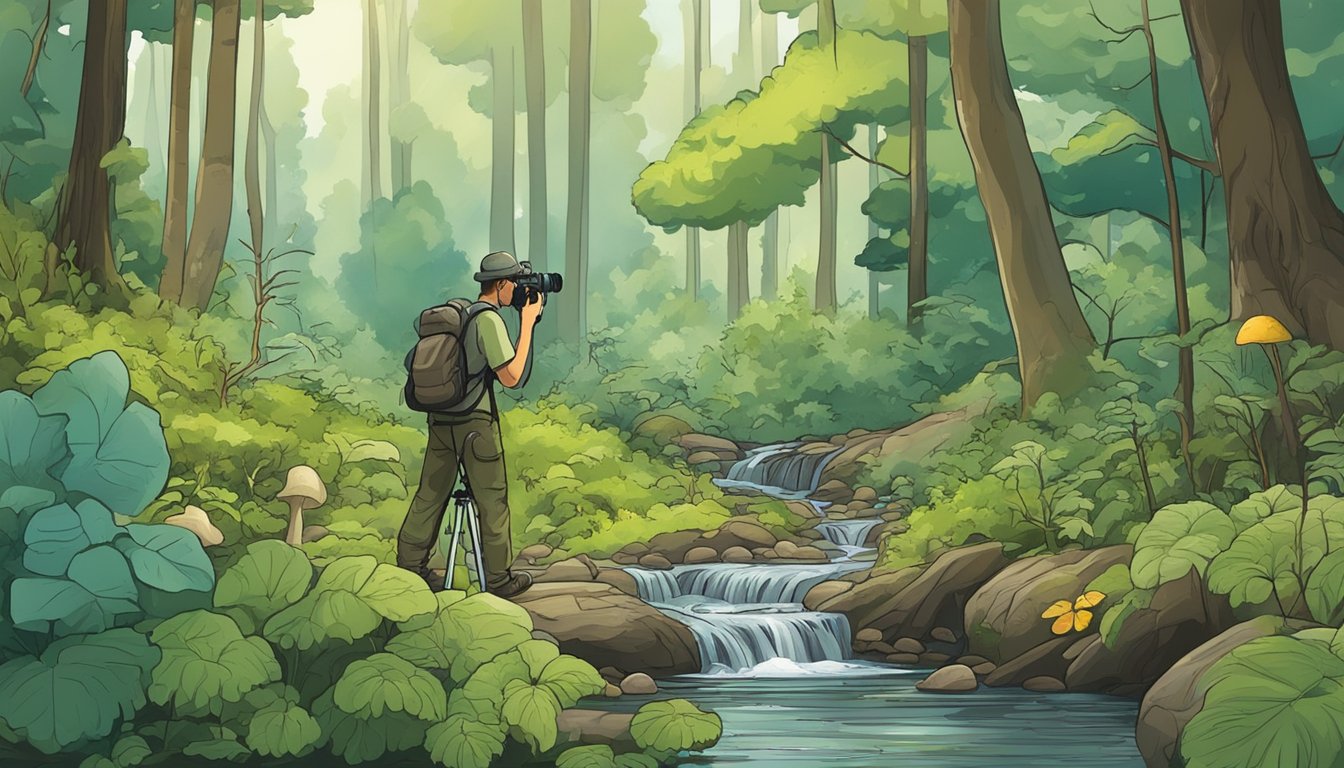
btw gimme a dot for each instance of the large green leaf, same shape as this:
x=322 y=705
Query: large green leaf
x=67 y=606
x=268 y=578
x=462 y=742
x=1325 y=590
x=359 y=740
x=601 y=756
x=56 y=534
x=168 y=558
x=386 y=683
x=674 y=725
x=130 y=751
x=395 y=593
x=80 y=689
x=487 y=626
x=1259 y=564
x=118 y=454
x=319 y=617
x=570 y=679
x=1273 y=701
x=537 y=654
x=1178 y=538
x=207 y=661
x=351 y=598
x=533 y=710
x=1259 y=506
x=31 y=446
x=283 y=729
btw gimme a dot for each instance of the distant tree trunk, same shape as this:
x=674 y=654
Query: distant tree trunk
x=770 y=235
x=399 y=39
x=1185 y=387
x=574 y=323
x=374 y=133
x=744 y=61
x=694 y=45
x=252 y=160
x=534 y=66
x=39 y=42
x=153 y=136
x=874 y=284
x=739 y=289
x=502 y=145
x=824 y=300
x=1285 y=234
x=214 y=178
x=918 y=287
x=268 y=142
x=175 y=223
x=84 y=218
x=1053 y=339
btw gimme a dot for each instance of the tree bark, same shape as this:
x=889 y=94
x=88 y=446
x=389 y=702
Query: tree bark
x=39 y=43
x=1185 y=387
x=252 y=160
x=575 y=317
x=214 y=179
x=739 y=289
x=874 y=285
x=1053 y=339
x=770 y=234
x=694 y=46
x=534 y=66
x=374 y=126
x=1285 y=234
x=175 y=223
x=268 y=143
x=84 y=219
x=399 y=39
x=918 y=287
x=824 y=298
x=502 y=145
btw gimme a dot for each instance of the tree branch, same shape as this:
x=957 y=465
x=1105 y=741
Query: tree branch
x=1331 y=155
x=851 y=150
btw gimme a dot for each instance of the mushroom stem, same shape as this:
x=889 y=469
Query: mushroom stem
x=1289 y=423
x=294 y=536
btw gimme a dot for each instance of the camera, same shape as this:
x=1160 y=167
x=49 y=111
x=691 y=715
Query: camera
x=531 y=283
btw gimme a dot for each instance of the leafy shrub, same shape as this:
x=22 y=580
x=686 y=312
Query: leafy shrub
x=1180 y=537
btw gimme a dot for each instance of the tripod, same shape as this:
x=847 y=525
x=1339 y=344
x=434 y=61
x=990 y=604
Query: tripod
x=464 y=514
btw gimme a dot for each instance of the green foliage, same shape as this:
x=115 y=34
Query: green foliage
x=463 y=742
x=386 y=683
x=1325 y=589
x=207 y=662
x=271 y=576
x=1180 y=537
x=352 y=597
x=283 y=729
x=601 y=756
x=674 y=725
x=1047 y=499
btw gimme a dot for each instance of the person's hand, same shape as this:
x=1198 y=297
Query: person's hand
x=531 y=311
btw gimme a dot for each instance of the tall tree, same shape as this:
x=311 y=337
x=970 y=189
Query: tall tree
x=917 y=289
x=252 y=159
x=503 y=138
x=373 y=105
x=84 y=216
x=1053 y=339
x=874 y=286
x=214 y=179
x=399 y=91
x=574 y=314
x=694 y=33
x=770 y=229
x=175 y=222
x=1285 y=234
x=534 y=66
x=824 y=299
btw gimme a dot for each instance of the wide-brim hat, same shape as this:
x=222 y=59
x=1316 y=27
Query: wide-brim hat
x=499 y=265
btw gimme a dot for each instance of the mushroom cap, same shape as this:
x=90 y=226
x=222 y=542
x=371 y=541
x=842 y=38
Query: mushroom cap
x=303 y=484
x=1262 y=329
x=195 y=519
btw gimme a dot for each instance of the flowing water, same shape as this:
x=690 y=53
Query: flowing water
x=783 y=680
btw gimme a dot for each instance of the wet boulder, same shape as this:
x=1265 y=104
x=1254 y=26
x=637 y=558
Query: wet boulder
x=577 y=568
x=700 y=555
x=954 y=678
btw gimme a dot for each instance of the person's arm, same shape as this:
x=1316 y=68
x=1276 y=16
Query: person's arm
x=510 y=374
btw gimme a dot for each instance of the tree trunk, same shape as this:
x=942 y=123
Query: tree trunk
x=534 y=65
x=1053 y=339
x=918 y=288
x=739 y=289
x=399 y=39
x=374 y=134
x=1285 y=234
x=874 y=285
x=770 y=234
x=575 y=317
x=268 y=144
x=84 y=219
x=824 y=300
x=153 y=135
x=1185 y=388
x=252 y=160
x=175 y=223
x=502 y=145
x=214 y=178
x=744 y=62
x=694 y=47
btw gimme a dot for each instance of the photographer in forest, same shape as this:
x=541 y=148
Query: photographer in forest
x=464 y=347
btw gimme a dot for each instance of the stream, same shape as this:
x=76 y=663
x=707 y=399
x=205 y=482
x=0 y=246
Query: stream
x=790 y=693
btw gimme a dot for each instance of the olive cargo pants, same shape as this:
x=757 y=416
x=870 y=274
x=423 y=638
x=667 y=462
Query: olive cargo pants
x=476 y=440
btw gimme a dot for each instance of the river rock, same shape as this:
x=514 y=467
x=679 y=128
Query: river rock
x=984 y=669
x=786 y=548
x=602 y=625
x=810 y=553
x=867 y=635
x=638 y=684
x=531 y=554
x=736 y=555
x=933 y=658
x=902 y=658
x=1178 y=695
x=1045 y=659
x=832 y=490
x=855 y=603
x=1044 y=684
x=1003 y=617
x=619 y=579
x=955 y=678
x=740 y=533
x=661 y=428
x=943 y=635
x=621 y=558
x=971 y=660
x=674 y=544
x=1180 y=617
x=577 y=568
x=635 y=548
x=700 y=555
x=611 y=691
x=906 y=644
x=696 y=441
x=656 y=562
x=865 y=493
x=825 y=591
x=704 y=457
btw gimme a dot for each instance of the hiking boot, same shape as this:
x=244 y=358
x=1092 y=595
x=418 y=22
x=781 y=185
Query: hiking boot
x=434 y=579
x=516 y=584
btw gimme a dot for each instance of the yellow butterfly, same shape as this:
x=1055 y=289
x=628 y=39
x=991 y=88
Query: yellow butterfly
x=1072 y=615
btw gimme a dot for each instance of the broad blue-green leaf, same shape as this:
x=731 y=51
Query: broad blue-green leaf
x=283 y=729
x=130 y=751
x=117 y=452
x=80 y=689
x=169 y=558
x=56 y=534
x=674 y=725
x=270 y=577
x=1178 y=538
x=462 y=742
x=533 y=710
x=70 y=607
x=224 y=746
x=32 y=446
x=20 y=499
x=359 y=740
x=207 y=661
x=386 y=683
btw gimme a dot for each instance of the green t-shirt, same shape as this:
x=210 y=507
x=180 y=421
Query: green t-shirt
x=487 y=346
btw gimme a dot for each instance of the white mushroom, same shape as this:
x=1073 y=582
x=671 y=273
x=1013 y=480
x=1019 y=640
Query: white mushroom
x=303 y=490
x=195 y=519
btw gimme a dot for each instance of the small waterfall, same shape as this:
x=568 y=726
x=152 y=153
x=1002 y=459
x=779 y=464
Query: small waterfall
x=733 y=642
x=655 y=586
x=736 y=583
x=779 y=470
x=848 y=533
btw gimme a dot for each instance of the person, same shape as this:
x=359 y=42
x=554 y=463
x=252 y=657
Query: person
x=474 y=438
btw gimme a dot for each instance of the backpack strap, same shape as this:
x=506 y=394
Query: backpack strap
x=471 y=311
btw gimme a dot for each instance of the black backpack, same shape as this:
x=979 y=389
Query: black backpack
x=437 y=378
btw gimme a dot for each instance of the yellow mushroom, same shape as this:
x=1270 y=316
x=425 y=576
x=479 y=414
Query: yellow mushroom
x=1267 y=331
x=1262 y=329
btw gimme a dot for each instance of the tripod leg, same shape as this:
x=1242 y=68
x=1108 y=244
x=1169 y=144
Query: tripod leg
x=452 y=546
x=475 y=527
